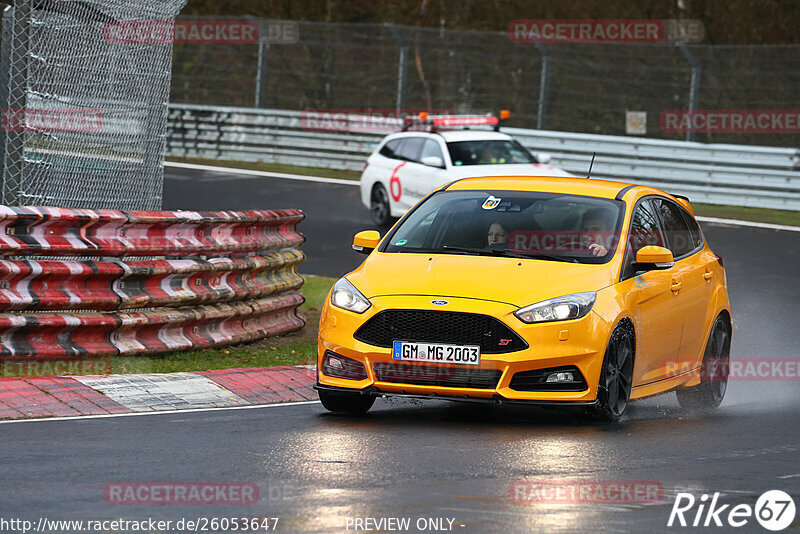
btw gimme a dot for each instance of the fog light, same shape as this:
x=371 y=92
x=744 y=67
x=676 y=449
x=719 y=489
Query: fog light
x=562 y=376
x=339 y=366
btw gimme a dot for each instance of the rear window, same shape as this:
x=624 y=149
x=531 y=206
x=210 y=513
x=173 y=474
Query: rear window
x=390 y=149
x=679 y=237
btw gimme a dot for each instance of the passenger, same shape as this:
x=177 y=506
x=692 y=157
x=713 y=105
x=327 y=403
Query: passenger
x=497 y=235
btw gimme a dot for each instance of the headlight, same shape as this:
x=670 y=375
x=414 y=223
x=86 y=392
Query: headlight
x=558 y=309
x=346 y=296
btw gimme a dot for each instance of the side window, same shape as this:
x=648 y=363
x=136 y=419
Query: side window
x=390 y=149
x=644 y=231
x=410 y=148
x=694 y=230
x=431 y=148
x=679 y=239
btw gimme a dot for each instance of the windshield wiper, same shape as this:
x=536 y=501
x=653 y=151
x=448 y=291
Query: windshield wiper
x=476 y=251
x=568 y=259
x=429 y=251
x=509 y=254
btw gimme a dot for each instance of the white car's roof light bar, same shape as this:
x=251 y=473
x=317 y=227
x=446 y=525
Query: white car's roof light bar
x=431 y=123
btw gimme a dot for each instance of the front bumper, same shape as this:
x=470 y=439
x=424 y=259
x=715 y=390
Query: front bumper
x=373 y=391
x=579 y=343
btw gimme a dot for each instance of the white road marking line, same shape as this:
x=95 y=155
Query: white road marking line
x=736 y=222
x=320 y=179
x=796 y=475
x=264 y=174
x=165 y=412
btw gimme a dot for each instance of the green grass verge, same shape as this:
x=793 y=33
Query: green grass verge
x=790 y=218
x=299 y=348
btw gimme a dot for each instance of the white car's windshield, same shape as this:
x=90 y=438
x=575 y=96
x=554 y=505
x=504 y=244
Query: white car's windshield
x=494 y=152
x=520 y=224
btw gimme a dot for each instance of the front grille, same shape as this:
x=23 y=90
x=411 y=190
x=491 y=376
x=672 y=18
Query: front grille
x=432 y=375
x=491 y=335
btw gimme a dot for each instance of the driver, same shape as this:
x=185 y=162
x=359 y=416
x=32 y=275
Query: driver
x=595 y=225
x=491 y=155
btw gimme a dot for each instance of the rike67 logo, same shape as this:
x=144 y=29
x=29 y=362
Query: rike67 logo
x=774 y=510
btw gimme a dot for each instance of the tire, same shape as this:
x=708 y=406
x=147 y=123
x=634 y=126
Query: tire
x=614 y=389
x=346 y=403
x=714 y=370
x=379 y=206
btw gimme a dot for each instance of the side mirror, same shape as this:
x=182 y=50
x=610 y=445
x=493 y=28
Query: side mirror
x=543 y=157
x=651 y=258
x=366 y=241
x=433 y=161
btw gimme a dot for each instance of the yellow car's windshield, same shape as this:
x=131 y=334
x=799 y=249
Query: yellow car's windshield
x=520 y=224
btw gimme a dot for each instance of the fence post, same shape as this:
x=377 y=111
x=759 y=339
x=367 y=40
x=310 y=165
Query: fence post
x=694 y=83
x=261 y=73
x=18 y=43
x=544 y=83
x=401 y=68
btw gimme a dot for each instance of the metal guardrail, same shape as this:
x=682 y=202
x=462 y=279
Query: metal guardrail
x=738 y=175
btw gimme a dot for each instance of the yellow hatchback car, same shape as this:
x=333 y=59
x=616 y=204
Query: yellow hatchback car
x=559 y=291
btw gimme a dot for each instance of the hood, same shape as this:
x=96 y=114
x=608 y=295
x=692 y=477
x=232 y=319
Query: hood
x=518 y=282
x=510 y=169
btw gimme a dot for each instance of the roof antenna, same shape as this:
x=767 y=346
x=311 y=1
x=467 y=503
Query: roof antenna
x=589 y=174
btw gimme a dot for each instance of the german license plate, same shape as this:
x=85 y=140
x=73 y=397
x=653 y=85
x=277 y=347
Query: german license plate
x=436 y=353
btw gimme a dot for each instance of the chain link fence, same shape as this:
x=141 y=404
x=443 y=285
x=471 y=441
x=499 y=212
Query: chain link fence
x=84 y=88
x=566 y=87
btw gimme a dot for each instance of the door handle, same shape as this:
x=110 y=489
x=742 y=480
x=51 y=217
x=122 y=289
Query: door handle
x=676 y=286
x=708 y=274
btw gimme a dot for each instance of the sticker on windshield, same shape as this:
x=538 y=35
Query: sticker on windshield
x=401 y=243
x=491 y=203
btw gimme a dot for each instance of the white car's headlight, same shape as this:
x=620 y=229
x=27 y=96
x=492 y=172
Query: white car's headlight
x=346 y=296
x=558 y=309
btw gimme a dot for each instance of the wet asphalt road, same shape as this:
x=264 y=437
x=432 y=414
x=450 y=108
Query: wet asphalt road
x=435 y=459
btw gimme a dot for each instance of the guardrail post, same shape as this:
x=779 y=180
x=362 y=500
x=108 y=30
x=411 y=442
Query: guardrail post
x=544 y=84
x=694 y=84
x=261 y=73
x=401 y=68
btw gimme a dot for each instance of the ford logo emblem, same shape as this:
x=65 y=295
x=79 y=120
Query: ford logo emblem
x=440 y=302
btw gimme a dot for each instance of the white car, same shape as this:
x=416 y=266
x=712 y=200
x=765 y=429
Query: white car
x=406 y=166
